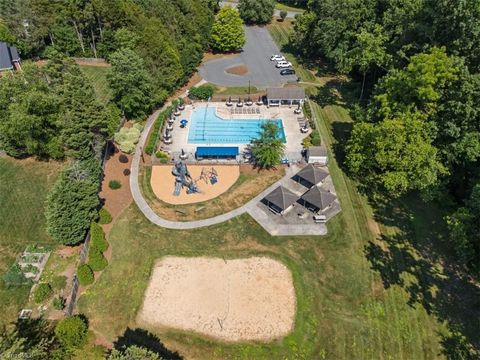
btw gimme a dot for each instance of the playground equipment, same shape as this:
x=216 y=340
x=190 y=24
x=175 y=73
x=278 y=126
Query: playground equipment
x=209 y=176
x=183 y=179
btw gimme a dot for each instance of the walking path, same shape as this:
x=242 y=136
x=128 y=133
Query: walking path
x=250 y=207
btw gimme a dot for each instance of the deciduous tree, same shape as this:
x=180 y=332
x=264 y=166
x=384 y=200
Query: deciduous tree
x=256 y=11
x=227 y=31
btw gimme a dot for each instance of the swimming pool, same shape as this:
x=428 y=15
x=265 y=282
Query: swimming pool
x=207 y=128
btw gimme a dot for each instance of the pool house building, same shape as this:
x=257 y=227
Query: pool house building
x=294 y=95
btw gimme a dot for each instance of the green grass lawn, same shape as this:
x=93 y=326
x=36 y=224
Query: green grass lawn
x=98 y=76
x=280 y=6
x=24 y=186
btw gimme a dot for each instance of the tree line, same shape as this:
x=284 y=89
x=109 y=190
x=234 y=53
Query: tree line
x=162 y=39
x=418 y=116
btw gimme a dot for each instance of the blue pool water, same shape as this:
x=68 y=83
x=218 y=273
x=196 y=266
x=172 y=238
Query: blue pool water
x=207 y=128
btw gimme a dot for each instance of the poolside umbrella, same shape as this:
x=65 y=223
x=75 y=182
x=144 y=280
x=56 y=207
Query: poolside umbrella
x=229 y=99
x=183 y=152
x=183 y=122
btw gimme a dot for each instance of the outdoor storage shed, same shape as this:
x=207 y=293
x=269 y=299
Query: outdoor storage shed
x=285 y=96
x=317 y=199
x=317 y=155
x=280 y=200
x=310 y=175
x=216 y=152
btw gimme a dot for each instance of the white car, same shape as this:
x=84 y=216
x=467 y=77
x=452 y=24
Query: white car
x=283 y=64
x=277 y=58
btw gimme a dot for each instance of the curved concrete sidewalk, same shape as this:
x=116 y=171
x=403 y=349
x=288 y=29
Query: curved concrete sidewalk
x=181 y=225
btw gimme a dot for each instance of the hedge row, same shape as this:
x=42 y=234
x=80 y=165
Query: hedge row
x=97 y=238
x=152 y=140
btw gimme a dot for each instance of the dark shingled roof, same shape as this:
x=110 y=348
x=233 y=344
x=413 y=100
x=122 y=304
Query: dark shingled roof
x=319 y=197
x=8 y=54
x=286 y=93
x=312 y=174
x=281 y=197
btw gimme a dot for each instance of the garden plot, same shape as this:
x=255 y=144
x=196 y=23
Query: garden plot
x=233 y=300
x=28 y=267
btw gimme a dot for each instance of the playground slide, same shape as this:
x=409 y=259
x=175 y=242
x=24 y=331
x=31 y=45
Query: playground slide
x=178 y=188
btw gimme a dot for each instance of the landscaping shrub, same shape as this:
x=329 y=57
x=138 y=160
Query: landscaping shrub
x=42 y=293
x=85 y=275
x=114 y=184
x=126 y=138
x=123 y=158
x=97 y=238
x=59 y=282
x=104 y=216
x=283 y=15
x=316 y=140
x=59 y=303
x=126 y=172
x=202 y=92
x=96 y=260
x=161 y=155
x=72 y=332
x=152 y=140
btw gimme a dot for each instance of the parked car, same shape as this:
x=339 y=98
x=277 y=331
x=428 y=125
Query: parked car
x=283 y=64
x=287 y=72
x=277 y=57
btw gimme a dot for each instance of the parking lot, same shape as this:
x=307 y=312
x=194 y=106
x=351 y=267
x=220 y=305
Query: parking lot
x=256 y=57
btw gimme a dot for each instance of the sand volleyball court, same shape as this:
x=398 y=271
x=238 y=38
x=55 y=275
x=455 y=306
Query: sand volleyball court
x=163 y=183
x=232 y=300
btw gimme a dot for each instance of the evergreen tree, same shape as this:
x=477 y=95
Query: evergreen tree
x=73 y=202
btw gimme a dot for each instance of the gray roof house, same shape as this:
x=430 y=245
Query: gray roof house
x=289 y=95
x=9 y=58
x=280 y=200
x=317 y=155
x=317 y=199
x=310 y=175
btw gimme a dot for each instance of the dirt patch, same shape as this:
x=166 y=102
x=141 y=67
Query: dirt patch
x=233 y=300
x=116 y=200
x=237 y=70
x=163 y=183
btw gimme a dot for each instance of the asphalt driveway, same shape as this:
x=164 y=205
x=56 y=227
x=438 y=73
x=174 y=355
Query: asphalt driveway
x=256 y=56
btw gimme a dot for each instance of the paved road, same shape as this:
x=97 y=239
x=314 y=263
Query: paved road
x=256 y=56
x=290 y=14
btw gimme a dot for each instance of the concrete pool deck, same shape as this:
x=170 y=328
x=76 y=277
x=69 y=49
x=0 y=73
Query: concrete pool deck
x=290 y=121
